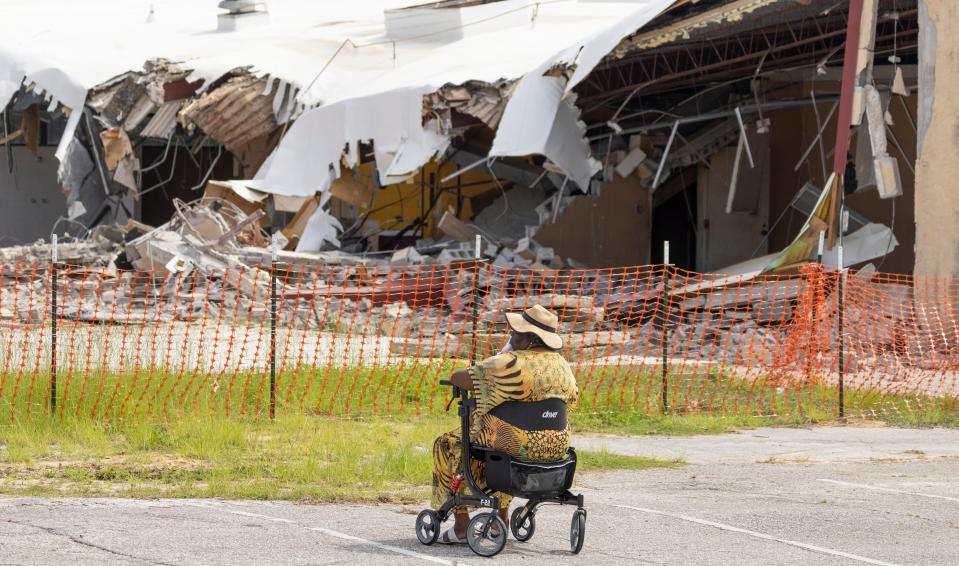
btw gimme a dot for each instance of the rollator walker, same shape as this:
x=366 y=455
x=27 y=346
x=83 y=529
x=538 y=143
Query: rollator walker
x=540 y=483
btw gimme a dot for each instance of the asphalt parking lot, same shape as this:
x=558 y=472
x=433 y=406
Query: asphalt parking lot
x=770 y=496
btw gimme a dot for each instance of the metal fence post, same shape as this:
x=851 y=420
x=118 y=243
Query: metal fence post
x=273 y=333
x=53 y=323
x=812 y=345
x=477 y=257
x=665 y=321
x=842 y=342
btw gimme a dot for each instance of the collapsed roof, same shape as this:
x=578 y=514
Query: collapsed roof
x=360 y=65
x=400 y=83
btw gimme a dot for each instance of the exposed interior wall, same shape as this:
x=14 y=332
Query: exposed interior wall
x=937 y=170
x=788 y=143
x=396 y=206
x=899 y=212
x=794 y=129
x=609 y=230
x=30 y=197
x=727 y=238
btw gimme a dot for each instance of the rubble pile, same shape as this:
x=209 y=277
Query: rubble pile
x=212 y=262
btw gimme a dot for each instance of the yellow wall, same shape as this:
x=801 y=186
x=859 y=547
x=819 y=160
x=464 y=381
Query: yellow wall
x=395 y=206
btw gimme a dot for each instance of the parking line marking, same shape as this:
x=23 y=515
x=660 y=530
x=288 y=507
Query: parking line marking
x=332 y=533
x=764 y=536
x=889 y=489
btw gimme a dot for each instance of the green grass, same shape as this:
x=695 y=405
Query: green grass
x=618 y=398
x=676 y=425
x=296 y=457
x=351 y=434
x=604 y=460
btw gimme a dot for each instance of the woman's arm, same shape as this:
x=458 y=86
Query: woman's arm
x=461 y=378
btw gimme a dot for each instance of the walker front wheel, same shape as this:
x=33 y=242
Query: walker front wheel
x=486 y=534
x=427 y=526
x=523 y=524
x=577 y=531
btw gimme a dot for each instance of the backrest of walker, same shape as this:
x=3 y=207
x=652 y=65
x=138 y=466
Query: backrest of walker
x=549 y=414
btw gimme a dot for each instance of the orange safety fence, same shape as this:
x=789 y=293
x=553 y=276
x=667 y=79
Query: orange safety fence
x=362 y=340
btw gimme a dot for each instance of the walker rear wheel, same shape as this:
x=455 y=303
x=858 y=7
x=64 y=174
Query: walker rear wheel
x=577 y=531
x=427 y=526
x=486 y=534
x=522 y=523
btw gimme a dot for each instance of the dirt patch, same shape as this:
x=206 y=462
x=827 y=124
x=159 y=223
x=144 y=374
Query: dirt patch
x=858 y=422
x=155 y=466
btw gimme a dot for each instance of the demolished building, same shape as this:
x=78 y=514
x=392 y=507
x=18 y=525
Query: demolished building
x=659 y=123
x=295 y=184
x=708 y=124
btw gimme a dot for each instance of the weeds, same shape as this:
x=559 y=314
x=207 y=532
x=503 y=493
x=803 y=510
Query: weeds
x=318 y=459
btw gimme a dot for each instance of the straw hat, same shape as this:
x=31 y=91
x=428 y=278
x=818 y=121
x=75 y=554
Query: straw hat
x=538 y=320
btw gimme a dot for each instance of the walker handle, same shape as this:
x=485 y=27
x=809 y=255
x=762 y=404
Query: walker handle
x=456 y=392
x=456 y=389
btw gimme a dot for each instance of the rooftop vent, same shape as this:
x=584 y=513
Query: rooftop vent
x=242 y=14
x=452 y=20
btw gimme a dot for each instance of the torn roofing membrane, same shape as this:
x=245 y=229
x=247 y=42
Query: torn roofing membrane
x=540 y=117
x=391 y=118
x=300 y=165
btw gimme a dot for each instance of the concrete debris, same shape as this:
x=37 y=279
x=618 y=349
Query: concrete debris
x=455 y=228
x=407 y=256
x=477 y=100
x=127 y=99
x=202 y=266
x=630 y=162
x=511 y=216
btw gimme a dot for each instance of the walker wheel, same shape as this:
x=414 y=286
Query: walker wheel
x=577 y=531
x=522 y=523
x=427 y=526
x=486 y=534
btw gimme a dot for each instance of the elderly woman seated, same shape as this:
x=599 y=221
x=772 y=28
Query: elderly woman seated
x=530 y=369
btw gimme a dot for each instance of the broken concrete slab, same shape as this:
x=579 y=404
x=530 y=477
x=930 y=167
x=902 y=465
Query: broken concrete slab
x=630 y=162
x=455 y=228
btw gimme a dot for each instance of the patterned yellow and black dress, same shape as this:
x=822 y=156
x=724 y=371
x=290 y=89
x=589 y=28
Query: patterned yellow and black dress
x=524 y=375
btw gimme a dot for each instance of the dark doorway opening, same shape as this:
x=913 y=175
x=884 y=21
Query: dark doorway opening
x=675 y=221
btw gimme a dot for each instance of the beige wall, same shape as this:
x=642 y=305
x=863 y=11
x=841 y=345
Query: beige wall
x=611 y=230
x=937 y=170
